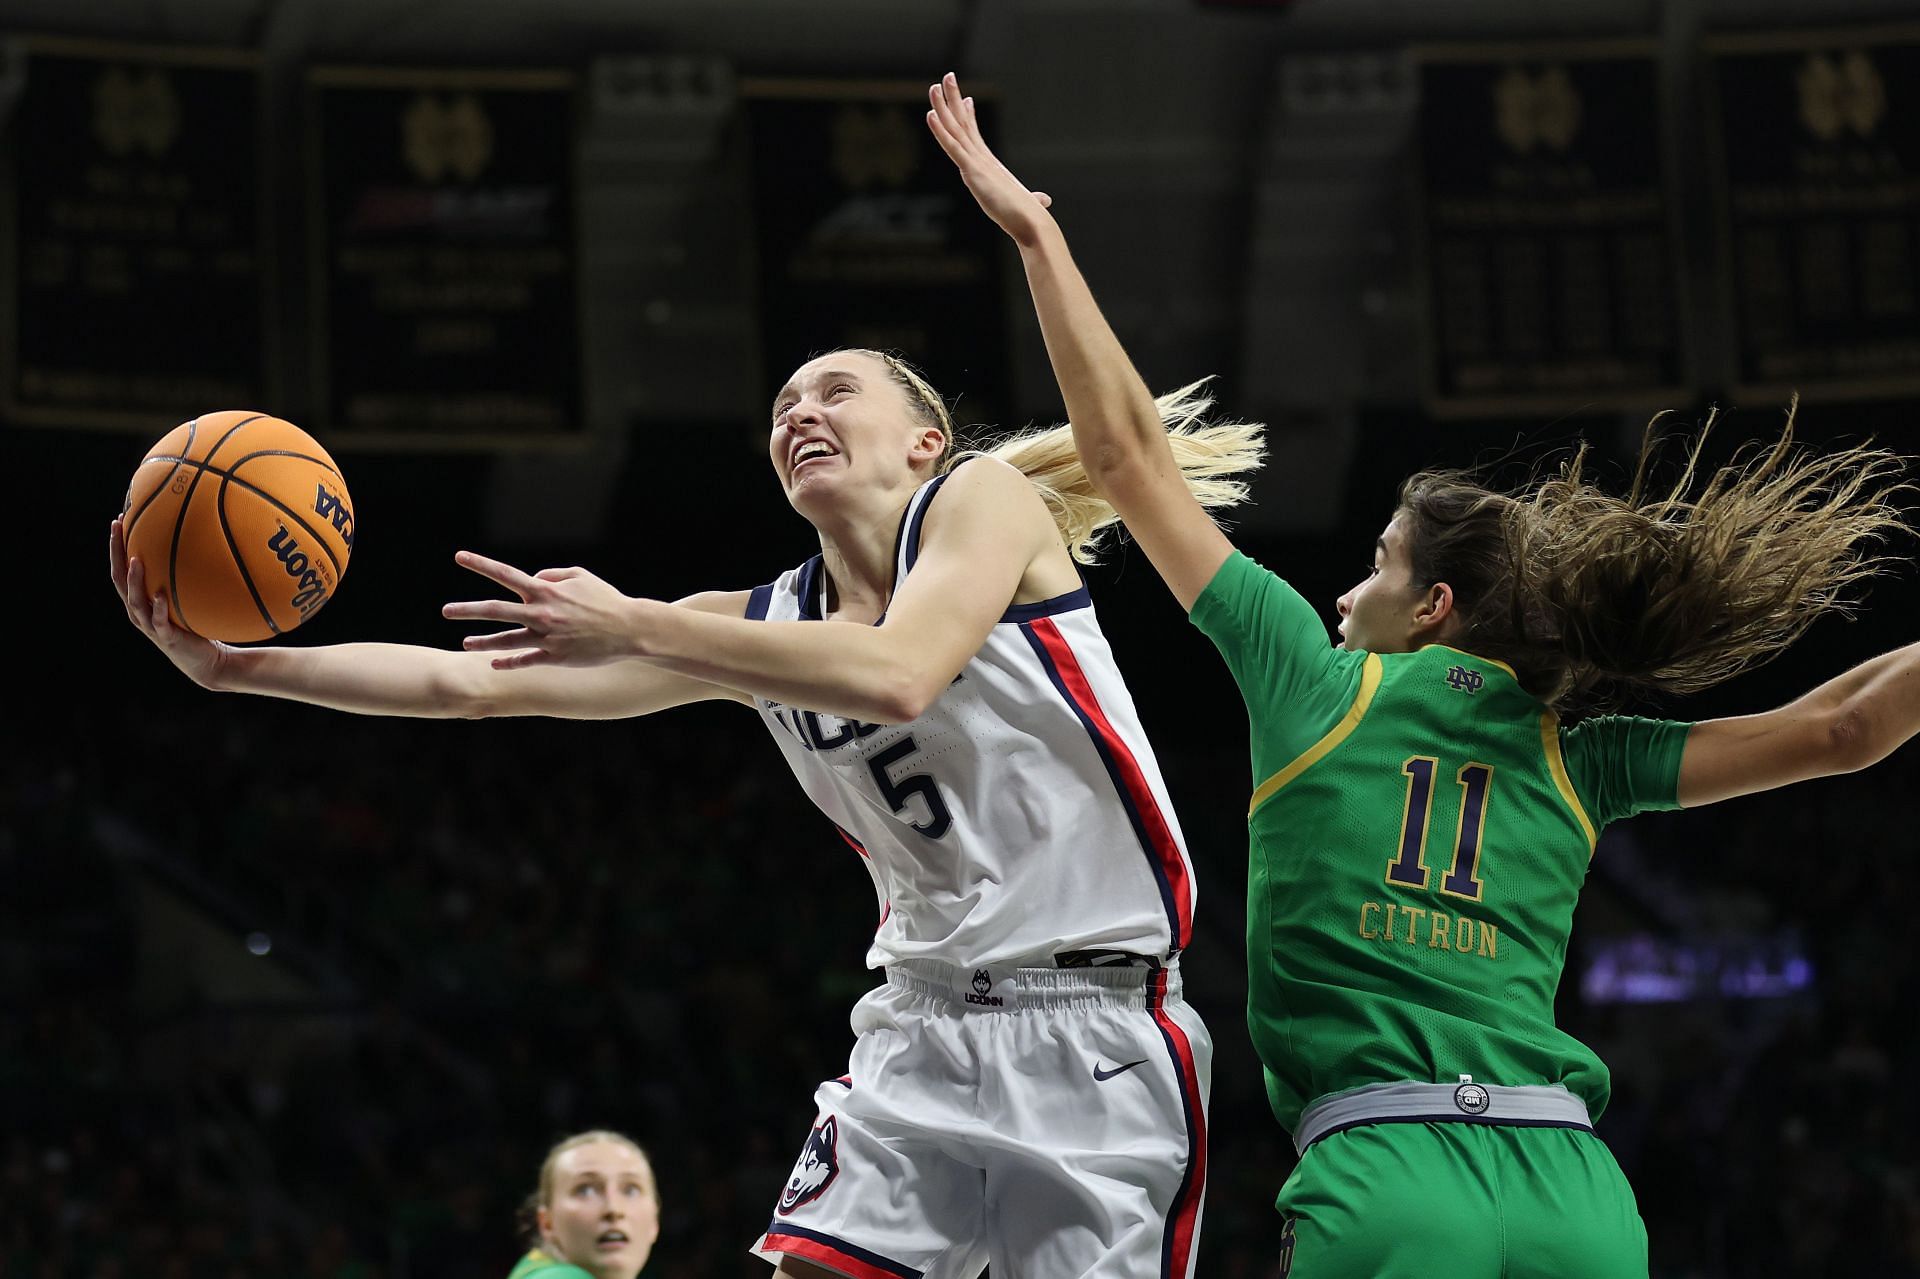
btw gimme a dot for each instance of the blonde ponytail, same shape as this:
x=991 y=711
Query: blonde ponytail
x=1211 y=457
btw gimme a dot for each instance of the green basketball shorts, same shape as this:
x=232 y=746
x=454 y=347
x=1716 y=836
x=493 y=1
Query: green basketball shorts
x=1460 y=1201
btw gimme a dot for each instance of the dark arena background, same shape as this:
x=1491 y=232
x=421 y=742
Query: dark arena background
x=285 y=992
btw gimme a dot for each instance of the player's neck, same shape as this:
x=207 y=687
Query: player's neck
x=859 y=543
x=859 y=578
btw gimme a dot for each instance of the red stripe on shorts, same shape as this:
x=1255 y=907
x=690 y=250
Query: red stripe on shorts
x=827 y=1255
x=1184 y=1220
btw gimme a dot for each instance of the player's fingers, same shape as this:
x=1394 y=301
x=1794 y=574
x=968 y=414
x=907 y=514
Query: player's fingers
x=484 y=611
x=499 y=641
x=139 y=601
x=953 y=107
x=132 y=576
x=162 y=621
x=557 y=574
x=523 y=659
x=944 y=117
x=1046 y=201
x=117 y=556
x=945 y=137
x=494 y=570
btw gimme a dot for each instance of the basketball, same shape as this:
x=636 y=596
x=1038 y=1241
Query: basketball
x=243 y=520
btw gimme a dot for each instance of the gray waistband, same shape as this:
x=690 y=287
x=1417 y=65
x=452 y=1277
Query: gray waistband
x=1518 y=1105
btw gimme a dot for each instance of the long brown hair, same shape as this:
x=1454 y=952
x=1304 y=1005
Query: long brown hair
x=1212 y=456
x=1673 y=588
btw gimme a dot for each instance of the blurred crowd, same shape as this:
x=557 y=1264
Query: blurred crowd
x=301 y=994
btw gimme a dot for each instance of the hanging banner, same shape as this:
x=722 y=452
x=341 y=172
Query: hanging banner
x=136 y=296
x=867 y=238
x=1549 y=256
x=443 y=273
x=1818 y=150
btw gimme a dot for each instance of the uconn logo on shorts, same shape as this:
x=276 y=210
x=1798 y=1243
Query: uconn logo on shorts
x=819 y=1165
x=982 y=983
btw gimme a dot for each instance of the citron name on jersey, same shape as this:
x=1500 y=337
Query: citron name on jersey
x=1424 y=926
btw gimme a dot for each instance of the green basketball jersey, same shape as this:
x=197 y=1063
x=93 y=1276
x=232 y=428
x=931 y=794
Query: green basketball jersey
x=539 y=1264
x=1419 y=833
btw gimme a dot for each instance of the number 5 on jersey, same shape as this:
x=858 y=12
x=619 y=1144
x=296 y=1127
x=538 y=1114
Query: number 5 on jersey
x=1409 y=868
x=897 y=793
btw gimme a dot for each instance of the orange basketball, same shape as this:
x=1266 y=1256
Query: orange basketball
x=243 y=520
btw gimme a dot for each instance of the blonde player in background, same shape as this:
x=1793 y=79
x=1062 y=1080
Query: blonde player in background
x=595 y=1212
x=1028 y=1087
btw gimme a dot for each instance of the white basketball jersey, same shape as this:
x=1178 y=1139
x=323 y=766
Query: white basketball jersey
x=1023 y=815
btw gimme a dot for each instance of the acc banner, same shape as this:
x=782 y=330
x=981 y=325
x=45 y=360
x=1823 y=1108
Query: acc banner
x=866 y=237
x=1819 y=148
x=443 y=274
x=1550 y=264
x=136 y=296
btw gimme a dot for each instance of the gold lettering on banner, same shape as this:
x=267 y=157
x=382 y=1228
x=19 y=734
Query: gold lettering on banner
x=444 y=138
x=1838 y=96
x=1532 y=111
x=135 y=110
x=874 y=145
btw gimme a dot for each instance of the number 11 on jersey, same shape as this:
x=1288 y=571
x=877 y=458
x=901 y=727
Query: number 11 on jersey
x=1409 y=868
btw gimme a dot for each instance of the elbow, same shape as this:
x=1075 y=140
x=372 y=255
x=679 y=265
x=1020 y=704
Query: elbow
x=1112 y=460
x=904 y=696
x=900 y=703
x=1852 y=737
x=1116 y=471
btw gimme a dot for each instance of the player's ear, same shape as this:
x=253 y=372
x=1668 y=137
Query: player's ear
x=1435 y=612
x=928 y=445
x=544 y=1219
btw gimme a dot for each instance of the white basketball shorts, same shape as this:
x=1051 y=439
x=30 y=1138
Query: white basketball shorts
x=1050 y=1122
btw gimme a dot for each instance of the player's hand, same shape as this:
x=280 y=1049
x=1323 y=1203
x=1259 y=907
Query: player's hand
x=200 y=658
x=1019 y=212
x=564 y=617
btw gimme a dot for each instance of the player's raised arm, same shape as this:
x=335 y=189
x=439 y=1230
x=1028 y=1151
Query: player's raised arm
x=981 y=538
x=409 y=680
x=1122 y=440
x=1842 y=726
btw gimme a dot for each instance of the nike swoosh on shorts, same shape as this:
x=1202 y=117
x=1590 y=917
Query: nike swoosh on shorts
x=1101 y=1076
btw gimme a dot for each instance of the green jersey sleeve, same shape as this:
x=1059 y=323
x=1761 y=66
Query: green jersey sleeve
x=1295 y=682
x=1622 y=764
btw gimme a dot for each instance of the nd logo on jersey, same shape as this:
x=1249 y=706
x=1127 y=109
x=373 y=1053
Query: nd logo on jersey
x=1462 y=680
x=819 y=1165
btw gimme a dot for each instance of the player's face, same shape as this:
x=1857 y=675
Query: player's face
x=1378 y=614
x=841 y=420
x=603 y=1213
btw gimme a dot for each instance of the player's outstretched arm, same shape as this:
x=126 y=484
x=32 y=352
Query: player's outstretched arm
x=1842 y=726
x=1116 y=427
x=981 y=535
x=407 y=680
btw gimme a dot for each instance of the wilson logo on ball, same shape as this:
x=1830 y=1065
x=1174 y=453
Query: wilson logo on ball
x=334 y=507
x=311 y=592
